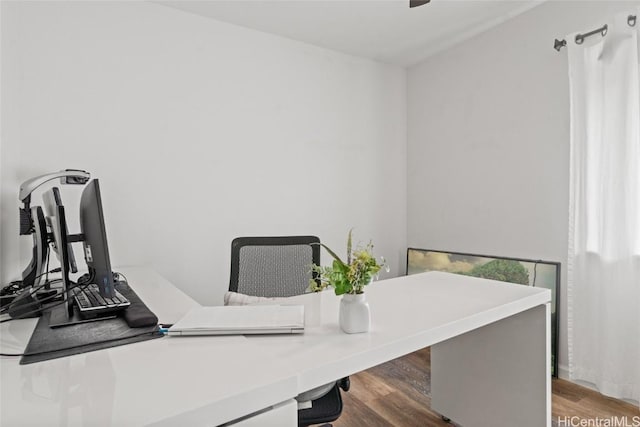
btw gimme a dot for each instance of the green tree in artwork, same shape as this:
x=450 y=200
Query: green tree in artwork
x=503 y=270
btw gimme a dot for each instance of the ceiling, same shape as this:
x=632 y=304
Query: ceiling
x=383 y=30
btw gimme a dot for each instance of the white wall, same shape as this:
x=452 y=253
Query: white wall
x=199 y=131
x=488 y=140
x=2 y=90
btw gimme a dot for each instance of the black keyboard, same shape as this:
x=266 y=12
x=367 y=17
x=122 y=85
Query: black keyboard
x=91 y=304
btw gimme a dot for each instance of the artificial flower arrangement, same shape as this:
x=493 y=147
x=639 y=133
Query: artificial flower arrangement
x=348 y=277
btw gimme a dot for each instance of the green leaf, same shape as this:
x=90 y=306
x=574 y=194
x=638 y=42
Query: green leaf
x=342 y=287
x=340 y=266
x=336 y=257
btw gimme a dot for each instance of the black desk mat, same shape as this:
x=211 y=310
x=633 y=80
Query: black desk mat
x=47 y=343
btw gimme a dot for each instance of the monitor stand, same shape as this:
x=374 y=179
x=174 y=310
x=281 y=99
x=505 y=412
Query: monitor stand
x=61 y=317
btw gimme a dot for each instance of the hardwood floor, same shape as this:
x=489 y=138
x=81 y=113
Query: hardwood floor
x=397 y=394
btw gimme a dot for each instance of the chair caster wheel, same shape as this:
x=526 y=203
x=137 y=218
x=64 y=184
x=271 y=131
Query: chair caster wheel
x=445 y=419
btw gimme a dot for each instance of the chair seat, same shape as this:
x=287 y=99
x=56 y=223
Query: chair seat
x=325 y=409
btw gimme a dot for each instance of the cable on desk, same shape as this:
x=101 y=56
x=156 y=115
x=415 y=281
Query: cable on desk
x=32 y=293
x=37 y=288
x=28 y=313
x=47 y=282
x=121 y=275
x=55 y=270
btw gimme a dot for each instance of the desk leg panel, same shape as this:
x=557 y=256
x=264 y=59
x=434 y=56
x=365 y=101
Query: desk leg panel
x=496 y=375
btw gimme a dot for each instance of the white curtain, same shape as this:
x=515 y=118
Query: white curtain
x=604 y=223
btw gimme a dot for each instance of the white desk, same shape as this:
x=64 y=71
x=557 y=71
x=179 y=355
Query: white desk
x=490 y=345
x=490 y=360
x=166 y=381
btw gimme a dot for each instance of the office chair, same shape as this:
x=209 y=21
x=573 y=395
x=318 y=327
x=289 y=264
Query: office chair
x=281 y=267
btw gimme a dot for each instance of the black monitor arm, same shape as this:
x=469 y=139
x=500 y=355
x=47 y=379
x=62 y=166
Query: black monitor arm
x=32 y=220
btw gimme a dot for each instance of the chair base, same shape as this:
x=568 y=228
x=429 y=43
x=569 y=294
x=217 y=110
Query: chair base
x=325 y=409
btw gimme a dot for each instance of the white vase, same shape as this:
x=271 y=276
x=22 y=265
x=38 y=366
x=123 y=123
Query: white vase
x=354 y=314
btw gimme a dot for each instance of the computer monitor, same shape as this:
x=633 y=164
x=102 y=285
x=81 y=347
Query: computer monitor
x=58 y=223
x=96 y=251
x=53 y=200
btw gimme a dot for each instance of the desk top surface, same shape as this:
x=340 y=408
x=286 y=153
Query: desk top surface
x=407 y=313
x=211 y=380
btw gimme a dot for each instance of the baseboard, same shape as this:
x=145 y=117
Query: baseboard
x=563 y=373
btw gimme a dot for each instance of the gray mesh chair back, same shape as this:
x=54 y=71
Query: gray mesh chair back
x=273 y=266
x=281 y=267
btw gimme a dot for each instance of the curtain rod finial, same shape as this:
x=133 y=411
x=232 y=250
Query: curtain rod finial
x=559 y=44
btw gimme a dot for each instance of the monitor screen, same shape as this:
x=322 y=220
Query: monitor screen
x=57 y=222
x=53 y=201
x=96 y=251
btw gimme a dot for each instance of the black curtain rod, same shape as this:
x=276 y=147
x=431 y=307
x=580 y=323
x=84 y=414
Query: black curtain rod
x=559 y=44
